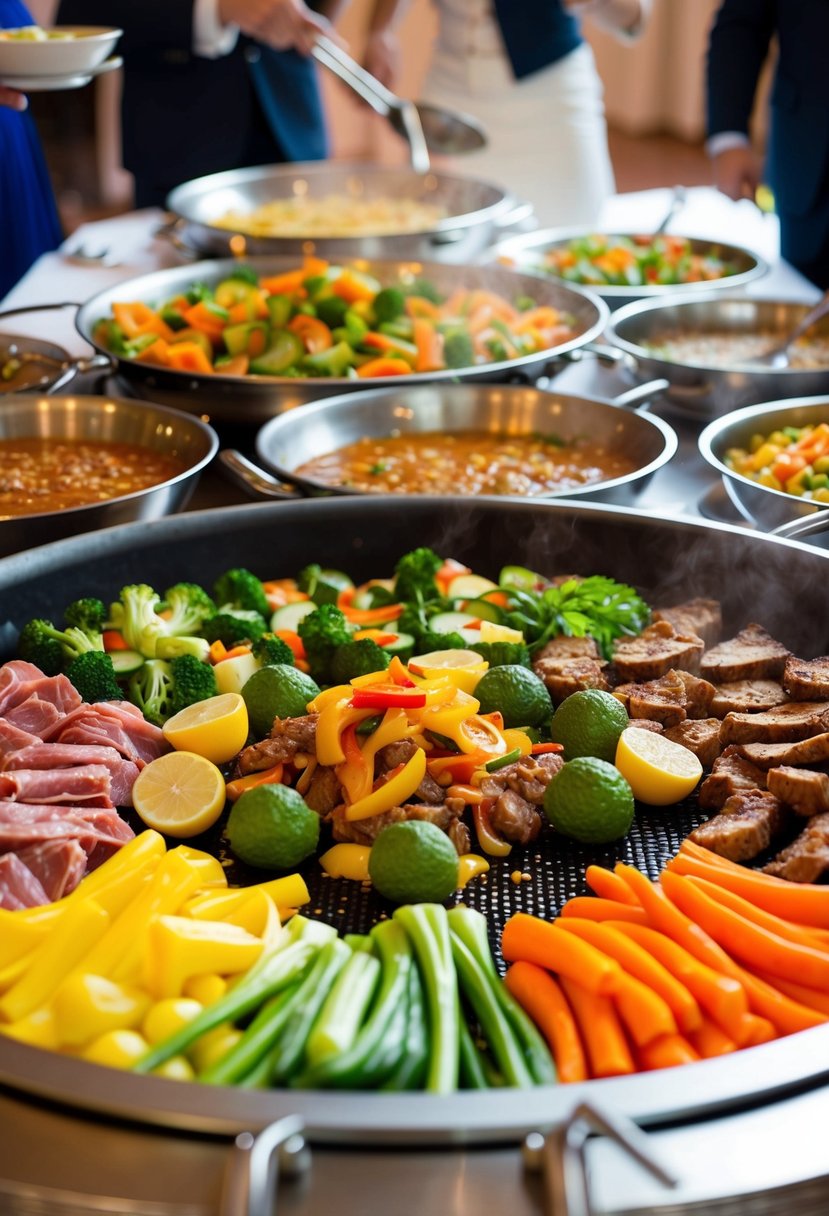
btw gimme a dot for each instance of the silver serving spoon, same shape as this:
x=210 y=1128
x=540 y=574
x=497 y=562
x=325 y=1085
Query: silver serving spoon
x=778 y=356
x=678 y=201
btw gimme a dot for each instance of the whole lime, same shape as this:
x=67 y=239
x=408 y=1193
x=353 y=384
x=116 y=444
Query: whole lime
x=589 y=800
x=517 y=693
x=589 y=723
x=271 y=827
x=414 y=863
x=276 y=691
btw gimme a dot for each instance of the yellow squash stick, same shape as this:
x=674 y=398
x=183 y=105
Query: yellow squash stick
x=179 y=947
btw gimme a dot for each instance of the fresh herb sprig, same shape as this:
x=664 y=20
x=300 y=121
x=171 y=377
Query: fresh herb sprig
x=596 y=607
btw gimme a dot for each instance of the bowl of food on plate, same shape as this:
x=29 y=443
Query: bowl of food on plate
x=31 y=50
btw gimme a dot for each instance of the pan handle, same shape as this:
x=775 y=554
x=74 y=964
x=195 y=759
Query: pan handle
x=804 y=525
x=169 y=232
x=16 y=312
x=610 y=355
x=640 y=396
x=253 y=1170
x=251 y=478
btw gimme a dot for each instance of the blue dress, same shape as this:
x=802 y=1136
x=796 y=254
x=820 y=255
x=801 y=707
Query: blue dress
x=29 y=224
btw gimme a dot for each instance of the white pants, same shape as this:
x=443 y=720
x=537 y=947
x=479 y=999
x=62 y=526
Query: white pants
x=547 y=133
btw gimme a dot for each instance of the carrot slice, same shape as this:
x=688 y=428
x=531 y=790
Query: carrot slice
x=385 y=365
x=608 y=885
x=587 y=907
x=537 y=941
x=541 y=999
x=601 y=1032
x=669 y=1051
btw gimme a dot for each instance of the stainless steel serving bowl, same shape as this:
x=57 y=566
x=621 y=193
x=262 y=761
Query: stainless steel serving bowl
x=255 y=399
x=290 y=440
x=525 y=253
x=761 y=505
x=704 y=391
x=475 y=212
x=112 y=420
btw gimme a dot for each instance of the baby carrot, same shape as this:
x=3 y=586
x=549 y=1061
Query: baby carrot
x=798 y=992
x=803 y=903
x=608 y=885
x=537 y=941
x=645 y=1015
x=542 y=999
x=668 y=1051
x=798 y=934
x=787 y=1015
x=758 y=1030
x=601 y=1032
x=588 y=907
x=710 y=1040
x=643 y=966
x=753 y=946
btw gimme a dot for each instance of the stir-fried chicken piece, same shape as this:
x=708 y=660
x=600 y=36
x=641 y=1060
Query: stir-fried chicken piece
x=806 y=859
x=700 y=616
x=783 y=724
x=671 y=699
x=770 y=755
x=730 y=774
x=807 y=680
x=747 y=696
x=447 y=817
x=702 y=737
x=804 y=790
x=744 y=828
x=752 y=655
x=288 y=736
x=655 y=651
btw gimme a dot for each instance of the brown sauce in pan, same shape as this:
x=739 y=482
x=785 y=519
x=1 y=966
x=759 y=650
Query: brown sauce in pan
x=40 y=475
x=466 y=463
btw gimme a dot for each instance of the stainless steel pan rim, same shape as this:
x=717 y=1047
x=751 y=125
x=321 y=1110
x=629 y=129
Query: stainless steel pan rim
x=758 y=504
x=517 y=247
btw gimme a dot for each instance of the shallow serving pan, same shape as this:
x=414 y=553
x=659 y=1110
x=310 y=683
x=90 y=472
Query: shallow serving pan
x=525 y=253
x=705 y=392
x=291 y=439
x=145 y=1145
x=107 y=419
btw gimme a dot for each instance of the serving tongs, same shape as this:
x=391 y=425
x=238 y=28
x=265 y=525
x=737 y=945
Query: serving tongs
x=778 y=356
x=425 y=127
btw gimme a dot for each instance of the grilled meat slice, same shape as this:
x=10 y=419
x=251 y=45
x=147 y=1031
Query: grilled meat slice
x=747 y=696
x=804 y=790
x=288 y=736
x=807 y=679
x=671 y=699
x=458 y=833
x=563 y=648
x=752 y=655
x=783 y=724
x=324 y=790
x=701 y=736
x=515 y=818
x=698 y=695
x=565 y=676
x=366 y=831
x=528 y=777
x=806 y=859
x=730 y=774
x=394 y=754
x=744 y=828
x=814 y=750
x=700 y=616
x=655 y=651
x=647 y=724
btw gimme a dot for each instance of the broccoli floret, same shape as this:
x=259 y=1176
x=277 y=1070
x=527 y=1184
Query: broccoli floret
x=428 y=641
x=51 y=649
x=503 y=654
x=173 y=648
x=135 y=614
x=322 y=631
x=151 y=689
x=186 y=607
x=87 y=614
x=239 y=589
x=233 y=627
x=458 y=350
x=389 y=304
x=93 y=676
x=192 y=681
x=424 y=289
x=270 y=650
x=415 y=575
x=358 y=658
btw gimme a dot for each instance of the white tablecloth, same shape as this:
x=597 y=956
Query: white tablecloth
x=134 y=249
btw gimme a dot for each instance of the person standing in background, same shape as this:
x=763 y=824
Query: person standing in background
x=29 y=223
x=212 y=85
x=522 y=68
x=797 y=162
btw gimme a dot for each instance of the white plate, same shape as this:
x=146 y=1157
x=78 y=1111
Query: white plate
x=68 y=80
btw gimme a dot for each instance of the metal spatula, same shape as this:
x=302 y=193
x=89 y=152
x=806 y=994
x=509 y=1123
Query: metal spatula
x=427 y=128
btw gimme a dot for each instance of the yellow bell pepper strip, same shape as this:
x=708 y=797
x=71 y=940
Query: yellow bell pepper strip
x=477 y=733
x=388 y=696
x=337 y=692
x=490 y=841
x=470 y=866
x=347 y=861
x=213 y=1046
x=209 y=868
x=401 y=784
x=332 y=721
x=11 y=974
x=167 y=1017
x=86 y=1006
x=65 y=948
x=205 y=988
x=304 y=780
x=179 y=947
x=178 y=1068
x=448 y=719
x=18 y=937
x=269 y=776
x=520 y=739
x=459 y=768
x=354 y=774
x=398 y=674
x=248 y=907
x=37 y=1030
x=117 y=1049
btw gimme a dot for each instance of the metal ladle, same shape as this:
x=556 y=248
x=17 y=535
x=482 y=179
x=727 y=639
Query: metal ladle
x=778 y=356
x=426 y=127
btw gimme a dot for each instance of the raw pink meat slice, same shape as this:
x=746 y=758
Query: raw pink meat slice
x=13 y=739
x=89 y=784
x=58 y=865
x=19 y=888
x=70 y=755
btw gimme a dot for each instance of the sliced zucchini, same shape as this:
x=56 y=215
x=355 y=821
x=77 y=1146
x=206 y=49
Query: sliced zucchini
x=290 y=615
x=484 y=610
x=125 y=662
x=403 y=646
x=469 y=587
x=520 y=577
x=455 y=622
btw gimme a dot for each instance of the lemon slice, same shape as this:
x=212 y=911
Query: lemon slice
x=180 y=794
x=464 y=668
x=216 y=729
x=658 y=771
x=492 y=632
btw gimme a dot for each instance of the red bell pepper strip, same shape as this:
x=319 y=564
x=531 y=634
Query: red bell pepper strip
x=388 y=697
x=546 y=749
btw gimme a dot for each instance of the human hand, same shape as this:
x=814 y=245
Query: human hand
x=737 y=172
x=382 y=56
x=281 y=24
x=13 y=99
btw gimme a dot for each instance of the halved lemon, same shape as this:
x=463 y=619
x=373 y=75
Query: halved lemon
x=464 y=668
x=180 y=794
x=216 y=729
x=658 y=770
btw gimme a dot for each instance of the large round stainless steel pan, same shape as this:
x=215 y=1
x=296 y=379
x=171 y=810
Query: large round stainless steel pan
x=290 y=440
x=254 y=399
x=668 y=560
x=109 y=420
x=475 y=212
x=525 y=252
x=704 y=391
x=761 y=505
